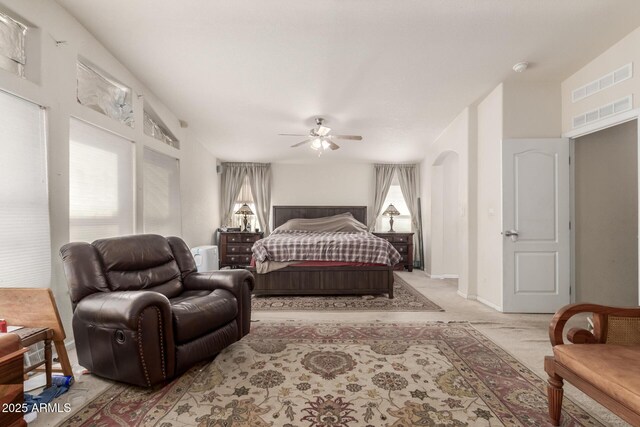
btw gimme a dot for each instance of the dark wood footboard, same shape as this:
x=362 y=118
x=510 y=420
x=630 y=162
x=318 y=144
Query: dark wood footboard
x=347 y=280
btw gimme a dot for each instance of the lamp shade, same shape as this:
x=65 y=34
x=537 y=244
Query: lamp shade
x=244 y=210
x=391 y=211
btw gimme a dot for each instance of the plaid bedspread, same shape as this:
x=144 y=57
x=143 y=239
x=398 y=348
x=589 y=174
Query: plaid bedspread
x=325 y=246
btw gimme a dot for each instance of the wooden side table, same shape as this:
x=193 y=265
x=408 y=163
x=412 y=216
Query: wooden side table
x=30 y=336
x=235 y=247
x=11 y=380
x=403 y=242
x=36 y=308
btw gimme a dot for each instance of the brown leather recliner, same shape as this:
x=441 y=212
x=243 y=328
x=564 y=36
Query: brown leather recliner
x=142 y=314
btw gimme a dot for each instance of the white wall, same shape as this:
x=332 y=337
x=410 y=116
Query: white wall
x=457 y=139
x=621 y=53
x=489 y=240
x=532 y=110
x=451 y=217
x=323 y=184
x=54 y=86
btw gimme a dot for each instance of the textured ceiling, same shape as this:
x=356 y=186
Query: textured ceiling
x=395 y=71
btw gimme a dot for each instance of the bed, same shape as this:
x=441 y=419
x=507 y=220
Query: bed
x=323 y=279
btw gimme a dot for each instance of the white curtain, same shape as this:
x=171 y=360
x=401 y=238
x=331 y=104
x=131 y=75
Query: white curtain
x=384 y=176
x=233 y=175
x=408 y=176
x=260 y=181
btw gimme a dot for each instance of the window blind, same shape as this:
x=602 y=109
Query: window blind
x=101 y=202
x=161 y=202
x=25 y=252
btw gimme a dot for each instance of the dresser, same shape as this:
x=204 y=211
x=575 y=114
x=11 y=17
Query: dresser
x=403 y=242
x=235 y=248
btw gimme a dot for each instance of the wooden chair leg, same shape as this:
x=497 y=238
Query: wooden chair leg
x=555 y=394
x=63 y=357
x=47 y=361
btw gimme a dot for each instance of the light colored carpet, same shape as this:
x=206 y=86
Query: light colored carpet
x=406 y=298
x=332 y=375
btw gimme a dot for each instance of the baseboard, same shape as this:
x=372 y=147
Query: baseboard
x=489 y=304
x=70 y=345
x=467 y=296
x=443 y=276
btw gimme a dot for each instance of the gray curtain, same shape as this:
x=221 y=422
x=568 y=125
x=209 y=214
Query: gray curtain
x=384 y=176
x=260 y=182
x=408 y=176
x=233 y=175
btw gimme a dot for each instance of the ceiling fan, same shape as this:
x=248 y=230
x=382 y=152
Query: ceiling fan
x=320 y=137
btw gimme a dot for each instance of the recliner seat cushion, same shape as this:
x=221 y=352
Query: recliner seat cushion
x=195 y=315
x=614 y=369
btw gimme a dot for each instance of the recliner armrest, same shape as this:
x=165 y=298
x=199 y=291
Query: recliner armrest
x=121 y=310
x=230 y=280
x=239 y=282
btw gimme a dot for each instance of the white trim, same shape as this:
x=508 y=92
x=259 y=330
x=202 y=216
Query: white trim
x=618 y=119
x=490 y=304
x=603 y=124
x=443 y=276
x=466 y=296
x=70 y=345
x=572 y=218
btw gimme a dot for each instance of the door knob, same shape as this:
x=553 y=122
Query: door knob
x=511 y=233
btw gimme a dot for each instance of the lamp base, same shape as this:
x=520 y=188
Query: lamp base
x=245 y=221
x=391 y=230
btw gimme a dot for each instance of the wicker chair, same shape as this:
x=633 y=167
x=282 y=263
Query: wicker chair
x=604 y=364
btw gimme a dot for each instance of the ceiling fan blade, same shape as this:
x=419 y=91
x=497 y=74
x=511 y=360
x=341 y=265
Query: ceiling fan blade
x=333 y=145
x=322 y=130
x=351 y=137
x=293 y=134
x=301 y=143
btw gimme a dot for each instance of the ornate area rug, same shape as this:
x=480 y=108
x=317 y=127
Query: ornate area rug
x=406 y=298
x=330 y=375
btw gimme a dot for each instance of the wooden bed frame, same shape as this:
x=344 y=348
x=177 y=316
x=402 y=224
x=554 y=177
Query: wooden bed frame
x=351 y=280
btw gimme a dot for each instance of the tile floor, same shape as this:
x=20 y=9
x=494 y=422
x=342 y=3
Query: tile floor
x=523 y=335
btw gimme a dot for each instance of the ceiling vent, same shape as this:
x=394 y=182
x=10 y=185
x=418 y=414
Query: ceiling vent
x=604 y=82
x=619 y=106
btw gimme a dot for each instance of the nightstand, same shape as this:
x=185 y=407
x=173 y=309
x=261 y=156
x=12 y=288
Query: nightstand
x=403 y=242
x=235 y=247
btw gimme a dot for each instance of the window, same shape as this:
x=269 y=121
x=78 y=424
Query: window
x=25 y=252
x=161 y=207
x=245 y=196
x=12 y=45
x=401 y=222
x=101 y=200
x=155 y=128
x=103 y=94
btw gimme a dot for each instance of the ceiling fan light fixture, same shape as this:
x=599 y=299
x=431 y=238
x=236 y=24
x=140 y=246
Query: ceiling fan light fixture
x=316 y=144
x=325 y=144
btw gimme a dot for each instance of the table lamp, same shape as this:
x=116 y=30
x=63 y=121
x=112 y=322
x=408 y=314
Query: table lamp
x=391 y=211
x=245 y=210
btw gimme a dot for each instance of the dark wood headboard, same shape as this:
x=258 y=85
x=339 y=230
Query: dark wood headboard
x=282 y=214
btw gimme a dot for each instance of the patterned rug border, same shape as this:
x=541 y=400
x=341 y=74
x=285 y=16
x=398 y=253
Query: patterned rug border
x=407 y=287
x=171 y=392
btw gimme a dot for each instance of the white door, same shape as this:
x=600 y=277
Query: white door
x=535 y=220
